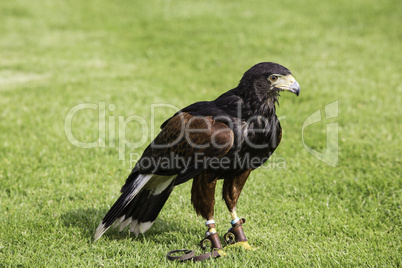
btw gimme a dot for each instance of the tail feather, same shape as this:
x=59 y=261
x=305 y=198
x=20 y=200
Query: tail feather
x=121 y=203
x=124 y=223
x=139 y=204
x=126 y=198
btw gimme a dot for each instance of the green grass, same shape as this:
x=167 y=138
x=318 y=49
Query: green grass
x=55 y=55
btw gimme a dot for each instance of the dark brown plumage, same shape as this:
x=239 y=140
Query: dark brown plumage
x=232 y=187
x=222 y=139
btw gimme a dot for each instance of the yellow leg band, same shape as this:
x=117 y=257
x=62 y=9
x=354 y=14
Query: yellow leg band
x=212 y=230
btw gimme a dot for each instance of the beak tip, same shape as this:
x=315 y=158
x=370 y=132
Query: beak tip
x=295 y=88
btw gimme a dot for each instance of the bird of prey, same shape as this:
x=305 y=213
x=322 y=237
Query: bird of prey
x=226 y=139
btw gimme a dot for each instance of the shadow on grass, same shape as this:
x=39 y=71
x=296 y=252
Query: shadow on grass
x=87 y=220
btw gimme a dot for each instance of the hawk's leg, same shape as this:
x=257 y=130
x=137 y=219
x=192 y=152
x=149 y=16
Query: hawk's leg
x=232 y=187
x=211 y=239
x=203 y=199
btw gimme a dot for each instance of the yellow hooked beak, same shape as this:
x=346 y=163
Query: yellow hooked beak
x=287 y=83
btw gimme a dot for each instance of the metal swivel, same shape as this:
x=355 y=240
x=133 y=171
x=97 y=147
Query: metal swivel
x=211 y=241
x=235 y=233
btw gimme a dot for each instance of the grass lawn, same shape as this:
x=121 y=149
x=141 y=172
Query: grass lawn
x=123 y=57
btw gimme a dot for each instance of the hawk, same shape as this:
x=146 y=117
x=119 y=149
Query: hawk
x=226 y=139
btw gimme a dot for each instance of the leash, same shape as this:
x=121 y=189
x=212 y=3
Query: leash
x=211 y=241
x=234 y=235
x=190 y=255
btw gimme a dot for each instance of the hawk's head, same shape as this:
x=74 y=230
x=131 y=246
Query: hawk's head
x=268 y=78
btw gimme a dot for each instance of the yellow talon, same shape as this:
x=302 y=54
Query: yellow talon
x=243 y=244
x=221 y=252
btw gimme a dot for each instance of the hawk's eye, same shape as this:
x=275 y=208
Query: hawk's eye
x=273 y=78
